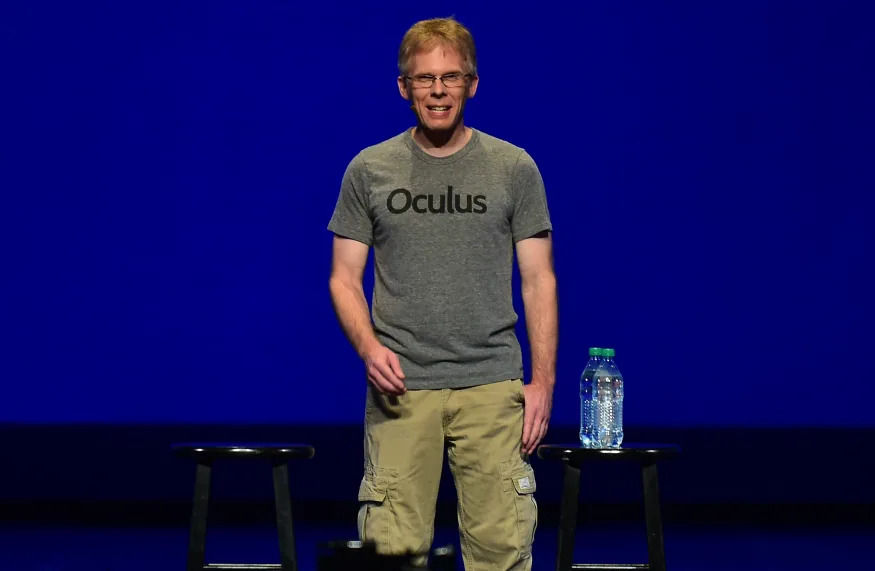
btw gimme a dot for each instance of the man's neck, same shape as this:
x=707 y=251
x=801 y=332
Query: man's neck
x=442 y=143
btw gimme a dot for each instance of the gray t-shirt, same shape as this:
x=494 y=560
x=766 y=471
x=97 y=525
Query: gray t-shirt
x=443 y=232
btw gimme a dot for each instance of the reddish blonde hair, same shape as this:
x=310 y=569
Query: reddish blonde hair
x=427 y=34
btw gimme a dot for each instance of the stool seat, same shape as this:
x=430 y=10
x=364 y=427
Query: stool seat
x=270 y=451
x=631 y=452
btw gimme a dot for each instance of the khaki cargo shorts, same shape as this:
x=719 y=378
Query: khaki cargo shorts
x=404 y=445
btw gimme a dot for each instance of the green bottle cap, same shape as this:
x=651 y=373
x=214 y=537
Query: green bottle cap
x=609 y=352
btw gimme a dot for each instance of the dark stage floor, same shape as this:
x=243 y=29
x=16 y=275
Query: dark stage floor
x=113 y=498
x=67 y=547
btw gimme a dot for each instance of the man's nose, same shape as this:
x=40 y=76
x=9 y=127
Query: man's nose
x=438 y=87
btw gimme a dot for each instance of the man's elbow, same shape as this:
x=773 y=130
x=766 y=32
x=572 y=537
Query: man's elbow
x=539 y=283
x=335 y=284
x=339 y=283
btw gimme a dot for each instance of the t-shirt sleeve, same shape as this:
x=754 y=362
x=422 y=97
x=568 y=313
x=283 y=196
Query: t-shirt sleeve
x=351 y=217
x=529 y=212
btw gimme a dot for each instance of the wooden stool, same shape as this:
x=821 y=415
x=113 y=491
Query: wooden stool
x=573 y=456
x=278 y=455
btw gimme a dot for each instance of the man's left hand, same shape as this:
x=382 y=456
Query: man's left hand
x=539 y=401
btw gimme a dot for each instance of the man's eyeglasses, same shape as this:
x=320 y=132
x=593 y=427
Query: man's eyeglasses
x=449 y=79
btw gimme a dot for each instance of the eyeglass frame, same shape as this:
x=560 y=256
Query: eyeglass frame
x=434 y=78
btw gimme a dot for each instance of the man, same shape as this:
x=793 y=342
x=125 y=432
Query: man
x=444 y=206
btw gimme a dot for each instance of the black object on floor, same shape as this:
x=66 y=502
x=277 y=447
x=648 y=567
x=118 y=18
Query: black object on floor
x=278 y=455
x=573 y=456
x=349 y=555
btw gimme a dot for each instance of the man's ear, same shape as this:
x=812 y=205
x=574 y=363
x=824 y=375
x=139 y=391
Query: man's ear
x=402 y=88
x=472 y=87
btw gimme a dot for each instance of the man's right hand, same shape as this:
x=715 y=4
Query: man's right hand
x=384 y=371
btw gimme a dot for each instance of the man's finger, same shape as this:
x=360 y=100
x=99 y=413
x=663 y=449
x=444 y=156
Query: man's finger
x=395 y=363
x=537 y=431
x=541 y=434
x=527 y=429
x=533 y=435
x=380 y=382
x=536 y=439
x=386 y=370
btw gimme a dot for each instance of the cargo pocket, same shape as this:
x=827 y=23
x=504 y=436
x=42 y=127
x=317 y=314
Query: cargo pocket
x=374 y=513
x=524 y=487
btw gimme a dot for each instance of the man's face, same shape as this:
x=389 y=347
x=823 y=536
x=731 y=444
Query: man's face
x=438 y=107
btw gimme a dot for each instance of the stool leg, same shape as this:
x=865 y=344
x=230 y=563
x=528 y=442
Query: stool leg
x=655 y=550
x=284 y=517
x=198 y=532
x=568 y=516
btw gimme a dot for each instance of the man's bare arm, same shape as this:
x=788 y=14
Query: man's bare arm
x=535 y=259
x=348 y=261
x=349 y=258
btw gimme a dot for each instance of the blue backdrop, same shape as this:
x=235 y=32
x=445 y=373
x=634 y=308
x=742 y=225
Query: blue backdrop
x=169 y=170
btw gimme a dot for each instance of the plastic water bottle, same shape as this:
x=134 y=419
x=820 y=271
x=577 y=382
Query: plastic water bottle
x=587 y=424
x=603 y=409
x=617 y=391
